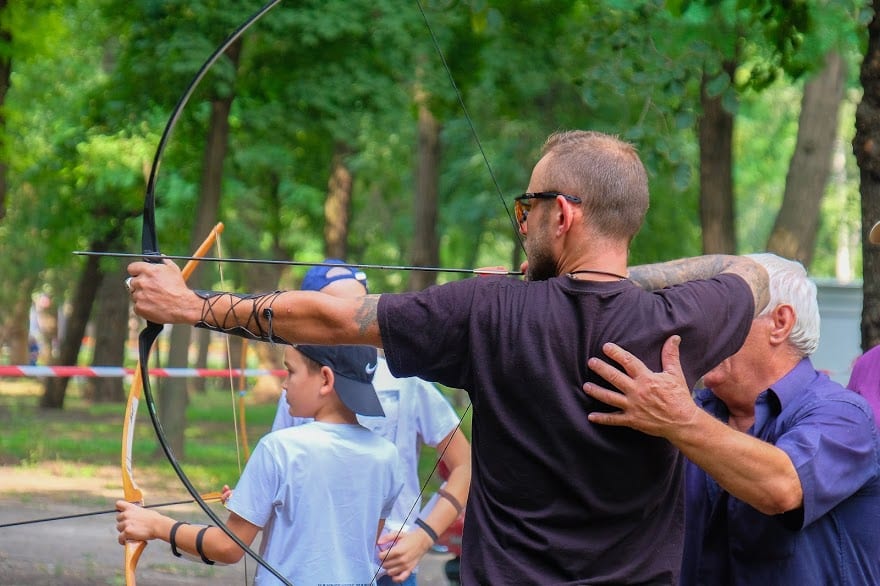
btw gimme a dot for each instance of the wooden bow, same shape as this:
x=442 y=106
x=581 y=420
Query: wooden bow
x=150 y=251
x=130 y=489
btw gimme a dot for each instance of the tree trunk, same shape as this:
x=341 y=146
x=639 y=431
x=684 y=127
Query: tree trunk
x=173 y=397
x=209 y=206
x=259 y=277
x=15 y=333
x=111 y=332
x=16 y=328
x=794 y=233
x=236 y=346
x=171 y=393
x=203 y=347
x=337 y=206
x=866 y=147
x=425 y=244
x=83 y=299
x=267 y=388
x=5 y=71
x=716 y=172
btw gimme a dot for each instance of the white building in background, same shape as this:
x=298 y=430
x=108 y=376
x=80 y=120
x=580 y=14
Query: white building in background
x=840 y=311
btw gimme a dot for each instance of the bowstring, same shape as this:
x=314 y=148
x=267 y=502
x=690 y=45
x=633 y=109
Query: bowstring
x=471 y=125
x=235 y=414
x=513 y=223
x=228 y=347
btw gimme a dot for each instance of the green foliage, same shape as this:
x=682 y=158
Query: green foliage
x=766 y=143
x=95 y=81
x=43 y=111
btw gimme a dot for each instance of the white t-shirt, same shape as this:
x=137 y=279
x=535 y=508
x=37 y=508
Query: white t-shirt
x=318 y=491
x=416 y=414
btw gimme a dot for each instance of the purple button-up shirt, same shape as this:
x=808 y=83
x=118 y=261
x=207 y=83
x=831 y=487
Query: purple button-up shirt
x=834 y=537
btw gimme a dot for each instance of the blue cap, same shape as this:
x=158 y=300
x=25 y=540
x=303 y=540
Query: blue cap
x=354 y=367
x=319 y=277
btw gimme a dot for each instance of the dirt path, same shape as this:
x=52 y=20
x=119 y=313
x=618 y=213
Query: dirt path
x=84 y=551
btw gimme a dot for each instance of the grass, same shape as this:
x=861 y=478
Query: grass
x=84 y=437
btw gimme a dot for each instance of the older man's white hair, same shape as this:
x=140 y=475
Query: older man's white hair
x=790 y=285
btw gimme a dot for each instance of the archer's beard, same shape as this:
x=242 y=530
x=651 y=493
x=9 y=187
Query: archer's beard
x=542 y=264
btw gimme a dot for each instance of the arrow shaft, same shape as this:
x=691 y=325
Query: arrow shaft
x=297 y=263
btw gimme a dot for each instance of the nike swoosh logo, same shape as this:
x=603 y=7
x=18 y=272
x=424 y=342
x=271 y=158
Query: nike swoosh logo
x=371 y=368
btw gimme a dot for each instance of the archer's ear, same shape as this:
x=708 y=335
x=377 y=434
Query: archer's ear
x=564 y=215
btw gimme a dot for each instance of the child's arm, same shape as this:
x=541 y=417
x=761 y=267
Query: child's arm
x=408 y=548
x=135 y=523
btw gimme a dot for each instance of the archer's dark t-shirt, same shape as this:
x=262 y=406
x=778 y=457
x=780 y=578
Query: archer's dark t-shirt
x=556 y=499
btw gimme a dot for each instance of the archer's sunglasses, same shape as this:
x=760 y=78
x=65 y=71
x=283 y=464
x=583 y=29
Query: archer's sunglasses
x=522 y=206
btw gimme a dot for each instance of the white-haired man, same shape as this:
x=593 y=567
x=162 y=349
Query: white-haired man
x=783 y=478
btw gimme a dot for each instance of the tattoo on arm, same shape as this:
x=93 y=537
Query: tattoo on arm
x=657 y=276
x=366 y=315
x=756 y=276
x=665 y=274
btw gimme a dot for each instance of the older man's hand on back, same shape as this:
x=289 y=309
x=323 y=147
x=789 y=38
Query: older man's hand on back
x=656 y=403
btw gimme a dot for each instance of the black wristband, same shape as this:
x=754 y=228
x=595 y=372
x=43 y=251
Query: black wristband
x=199 y=539
x=174 y=529
x=427 y=529
x=452 y=500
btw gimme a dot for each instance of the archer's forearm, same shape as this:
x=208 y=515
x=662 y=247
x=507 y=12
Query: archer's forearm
x=292 y=317
x=160 y=295
x=665 y=274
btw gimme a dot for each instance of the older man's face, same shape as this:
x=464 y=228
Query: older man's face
x=737 y=369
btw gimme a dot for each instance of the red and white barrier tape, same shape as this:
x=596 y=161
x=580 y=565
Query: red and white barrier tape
x=117 y=371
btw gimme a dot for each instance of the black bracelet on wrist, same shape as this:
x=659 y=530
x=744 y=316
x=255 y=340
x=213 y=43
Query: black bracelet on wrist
x=199 y=539
x=427 y=529
x=174 y=529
